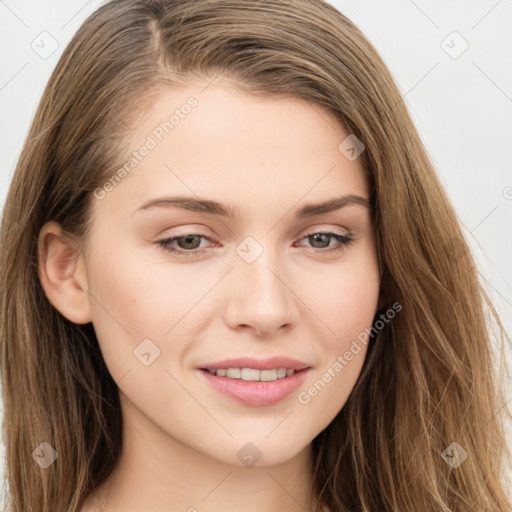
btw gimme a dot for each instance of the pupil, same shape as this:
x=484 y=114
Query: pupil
x=315 y=237
x=188 y=240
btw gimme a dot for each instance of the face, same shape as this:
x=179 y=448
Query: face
x=250 y=280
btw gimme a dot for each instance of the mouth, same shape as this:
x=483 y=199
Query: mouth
x=256 y=382
x=253 y=374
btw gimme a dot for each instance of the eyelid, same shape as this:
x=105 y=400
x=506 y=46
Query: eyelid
x=329 y=229
x=301 y=233
x=186 y=229
x=343 y=241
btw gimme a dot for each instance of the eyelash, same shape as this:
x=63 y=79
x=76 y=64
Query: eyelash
x=344 y=241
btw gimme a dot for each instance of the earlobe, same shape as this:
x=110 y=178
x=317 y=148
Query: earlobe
x=61 y=270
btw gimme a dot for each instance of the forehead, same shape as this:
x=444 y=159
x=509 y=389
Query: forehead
x=216 y=141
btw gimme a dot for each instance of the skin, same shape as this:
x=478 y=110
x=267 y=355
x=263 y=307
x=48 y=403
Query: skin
x=181 y=437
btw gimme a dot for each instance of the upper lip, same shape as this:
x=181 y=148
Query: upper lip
x=269 y=363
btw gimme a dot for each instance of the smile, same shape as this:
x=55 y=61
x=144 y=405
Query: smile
x=253 y=374
x=254 y=392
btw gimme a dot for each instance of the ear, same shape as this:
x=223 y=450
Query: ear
x=62 y=273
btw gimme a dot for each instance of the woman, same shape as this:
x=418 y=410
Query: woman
x=232 y=280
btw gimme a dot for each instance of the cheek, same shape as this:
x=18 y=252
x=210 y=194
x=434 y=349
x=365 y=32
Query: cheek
x=347 y=305
x=133 y=300
x=140 y=291
x=345 y=297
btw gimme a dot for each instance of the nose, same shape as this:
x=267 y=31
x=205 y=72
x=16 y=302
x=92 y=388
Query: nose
x=261 y=297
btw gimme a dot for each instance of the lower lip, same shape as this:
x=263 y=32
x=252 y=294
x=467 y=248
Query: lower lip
x=257 y=393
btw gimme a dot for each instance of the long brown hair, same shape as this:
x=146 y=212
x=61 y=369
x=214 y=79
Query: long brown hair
x=428 y=380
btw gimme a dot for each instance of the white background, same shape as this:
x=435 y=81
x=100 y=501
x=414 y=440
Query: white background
x=461 y=106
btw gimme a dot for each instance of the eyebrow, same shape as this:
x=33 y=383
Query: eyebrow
x=215 y=208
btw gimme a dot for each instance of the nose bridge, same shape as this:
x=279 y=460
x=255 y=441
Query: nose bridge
x=259 y=263
x=261 y=295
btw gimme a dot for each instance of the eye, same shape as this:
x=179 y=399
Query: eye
x=189 y=244
x=322 y=237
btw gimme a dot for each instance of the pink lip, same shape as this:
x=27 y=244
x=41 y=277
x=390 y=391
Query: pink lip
x=259 y=364
x=256 y=393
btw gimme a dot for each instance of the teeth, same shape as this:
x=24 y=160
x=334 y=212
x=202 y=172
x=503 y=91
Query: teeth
x=267 y=375
x=252 y=374
x=233 y=373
